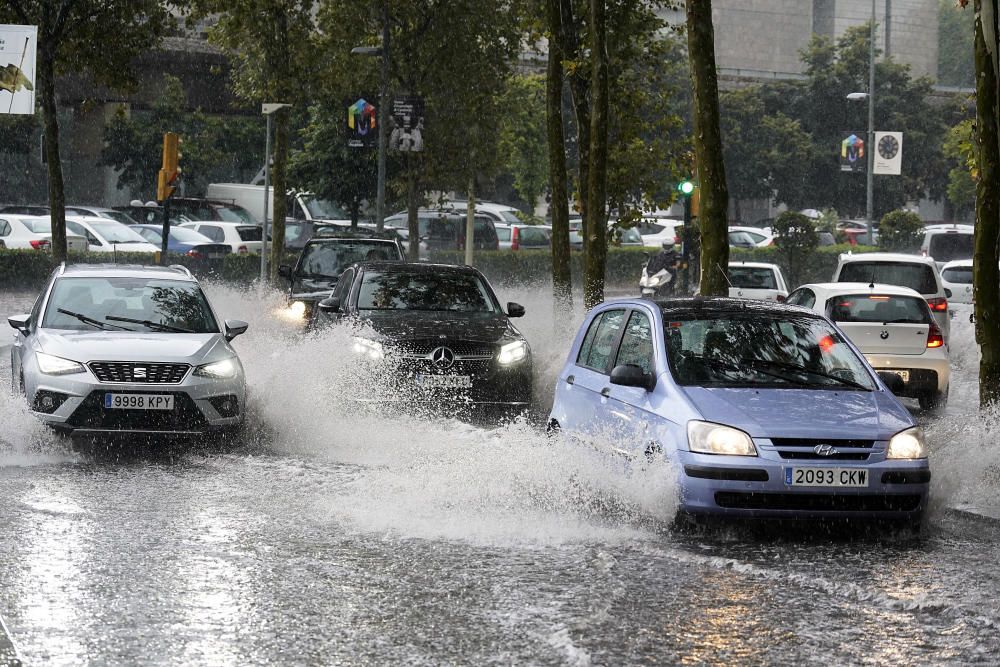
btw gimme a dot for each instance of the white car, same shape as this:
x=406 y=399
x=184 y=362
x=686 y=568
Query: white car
x=24 y=232
x=657 y=231
x=913 y=271
x=893 y=327
x=518 y=236
x=946 y=243
x=757 y=280
x=956 y=276
x=243 y=239
x=761 y=237
x=102 y=212
x=105 y=235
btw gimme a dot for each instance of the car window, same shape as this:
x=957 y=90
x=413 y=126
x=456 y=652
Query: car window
x=887 y=309
x=213 y=232
x=509 y=216
x=637 y=343
x=918 y=277
x=232 y=213
x=649 y=228
x=503 y=234
x=4 y=228
x=752 y=277
x=802 y=297
x=80 y=230
x=484 y=233
x=251 y=233
x=151 y=235
x=961 y=275
x=534 y=236
x=599 y=342
x=330 y=258
x=423 y=290
x=950 y=246
x=344 y=286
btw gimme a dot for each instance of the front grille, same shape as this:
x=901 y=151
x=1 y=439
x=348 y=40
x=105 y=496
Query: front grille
x=812 y=442
x=91 y=414
x=460 y=367
x=139 y=372
x=811 y=455
x=423 y=347
x=820 y=502
x=805 y=448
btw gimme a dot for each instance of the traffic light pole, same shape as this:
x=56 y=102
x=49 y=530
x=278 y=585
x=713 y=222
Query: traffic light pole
x=686 y=246
x=166 y=232
x=267 y=189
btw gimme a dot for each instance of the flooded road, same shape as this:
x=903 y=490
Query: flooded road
x=335 y=536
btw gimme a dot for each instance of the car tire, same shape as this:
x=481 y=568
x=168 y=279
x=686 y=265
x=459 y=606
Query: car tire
x=933 y=400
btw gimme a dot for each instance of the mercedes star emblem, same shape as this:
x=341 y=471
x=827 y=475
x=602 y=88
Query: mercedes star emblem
x=826 y=450
x=443 y=357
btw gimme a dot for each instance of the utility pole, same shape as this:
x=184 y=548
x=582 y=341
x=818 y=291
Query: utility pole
x=870 y=146
x=383 y=120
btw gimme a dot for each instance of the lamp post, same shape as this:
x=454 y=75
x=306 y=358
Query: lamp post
x=268 y=109
x=870 y=143
x=383 y=53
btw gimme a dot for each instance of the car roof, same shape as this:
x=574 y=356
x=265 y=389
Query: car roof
x=721 y=305
x=89 y=208
x=417 y=267
x=316 y=240
x=957 y=262
x=952 y=227
x=224 y=223
x=88 y=218
x=747 y=228
x=886 y=257
x=865 y=288
x=128 y=271
x=754 y=265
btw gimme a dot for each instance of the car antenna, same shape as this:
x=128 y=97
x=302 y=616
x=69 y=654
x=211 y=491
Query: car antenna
x=723 y=274
x=871 y=285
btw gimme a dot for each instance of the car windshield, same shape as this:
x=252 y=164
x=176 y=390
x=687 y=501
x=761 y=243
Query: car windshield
x=885 y=309
x=323 y=209
x=423 y=290
x=961 y=275
x=762 y=350
x=950 y=246
x=39 y=226
x=230 y=213
x=116 y=232
x=118 y=216
x=138 y=304
x=918 y=277
x=330 y=258
x=509 y=217
x=752 y=277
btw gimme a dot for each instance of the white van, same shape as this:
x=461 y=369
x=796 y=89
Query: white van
x=946 y=243
x=301 y=205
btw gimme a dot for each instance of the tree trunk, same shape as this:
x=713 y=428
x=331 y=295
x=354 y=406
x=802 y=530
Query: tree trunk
x=562 y=278
x=596 y=238
x=355 y=212
x=280 y=182
x=470 y=221
x=714 y=206
x=412 y=204
x=57 y=195
x=986 y=275
x=579 y=87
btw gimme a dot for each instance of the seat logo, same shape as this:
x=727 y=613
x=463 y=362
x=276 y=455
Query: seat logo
x=884 y=334
x=443 y=357
x=826 y=450
x=139 y=373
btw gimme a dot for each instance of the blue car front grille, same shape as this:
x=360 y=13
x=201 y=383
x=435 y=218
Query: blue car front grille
x=823 y=449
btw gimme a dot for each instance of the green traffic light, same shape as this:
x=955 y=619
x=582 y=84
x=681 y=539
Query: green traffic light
x=685 y=187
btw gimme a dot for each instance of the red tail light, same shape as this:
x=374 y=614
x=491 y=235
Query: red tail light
x=242 y=250
x=934 y=337
x=193 y=253
x=780 y=298
x=515 y=239
x=938 y=305
x=39 y=245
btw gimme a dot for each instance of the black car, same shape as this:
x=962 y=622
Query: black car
x=324 y=258
x=440 y=332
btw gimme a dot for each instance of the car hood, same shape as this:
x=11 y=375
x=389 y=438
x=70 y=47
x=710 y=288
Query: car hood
x=412 y=324
x=803 y=413
x=87 y=346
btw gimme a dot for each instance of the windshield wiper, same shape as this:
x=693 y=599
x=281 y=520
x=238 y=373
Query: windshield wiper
x=150 y=324
x=737 y=369
x=803 y=369
x=90 y=320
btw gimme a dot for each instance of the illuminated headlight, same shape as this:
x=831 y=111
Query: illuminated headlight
x=57 y=365
x=219 y=370
x=298 y=308
x=908 y=444
x=654 y=280
x=511 y=353
x=709 y=438
x=369 y=348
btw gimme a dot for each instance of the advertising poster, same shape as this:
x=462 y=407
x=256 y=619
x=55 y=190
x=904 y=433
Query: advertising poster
x=362 y=124
x=407 y=125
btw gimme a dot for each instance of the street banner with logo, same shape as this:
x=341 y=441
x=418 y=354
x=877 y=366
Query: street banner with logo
x=17 y=68
x=362 y=123
x=407 y=125
x=888 y=153
x=852 y=153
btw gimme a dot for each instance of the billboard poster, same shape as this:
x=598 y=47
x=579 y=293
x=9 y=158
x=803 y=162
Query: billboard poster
x=888 y=153
x=17 y=68
x=407 y=125
x=362 y=124
x=852 y=154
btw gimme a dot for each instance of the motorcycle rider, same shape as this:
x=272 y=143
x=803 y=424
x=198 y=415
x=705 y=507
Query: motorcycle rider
x=667 y=260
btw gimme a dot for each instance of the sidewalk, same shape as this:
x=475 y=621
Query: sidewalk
x=977 y=512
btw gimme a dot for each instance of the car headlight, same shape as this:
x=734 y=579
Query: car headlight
x=51 y=365
x=709 y=438
x=511 y=353
x=298 y=308
x=218 y=370
x=369 y=348
x=908 y=444
x=653 y=281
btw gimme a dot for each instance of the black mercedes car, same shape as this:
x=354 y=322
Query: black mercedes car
x=442 y=334
x=324 y=258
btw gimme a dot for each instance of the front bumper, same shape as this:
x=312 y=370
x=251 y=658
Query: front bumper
x=929 y=372
x=200 y=405
x=744 y=486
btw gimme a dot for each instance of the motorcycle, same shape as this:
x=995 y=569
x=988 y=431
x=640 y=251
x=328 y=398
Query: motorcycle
x=661 y=283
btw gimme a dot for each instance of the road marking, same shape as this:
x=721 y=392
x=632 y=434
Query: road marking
x=8 y=650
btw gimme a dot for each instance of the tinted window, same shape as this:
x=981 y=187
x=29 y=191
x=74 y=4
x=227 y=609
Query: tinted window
x=344 y=286
x=918 y=277
x=802 y=297
x=484 y=233
x=323 y=209
x=599 y=343
x=231 y=213
x=250 y=233
x=503 y=233
x=637 y=343
x=759 y=350
x=4 y=228
x=212 y=232
x=398 y=290
x=748 y=277
x=330 y=258
x=534 y=236
x=958 y=274
x=878 y=308
x=947 y=247
x=509 y=216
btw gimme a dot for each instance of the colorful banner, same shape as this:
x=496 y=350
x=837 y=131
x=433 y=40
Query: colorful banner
x=407 y=125
x=17 y=68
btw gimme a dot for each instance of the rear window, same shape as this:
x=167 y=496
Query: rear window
x=534 y=236
x=918 y=277
x=949 y=245
x=746 y=277
x=250 y=233
x=958 y=274
x=878 y=308
x=503 y=233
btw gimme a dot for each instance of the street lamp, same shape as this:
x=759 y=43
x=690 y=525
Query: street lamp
x=383 y=53
x=870 y=144
x=268 y=109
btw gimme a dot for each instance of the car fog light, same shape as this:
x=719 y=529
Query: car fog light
x=47 y=402
x=511 y=353
x=219 y=370
x=709 y=438
x=51 y=365
x=908 y=444
x=369 y=348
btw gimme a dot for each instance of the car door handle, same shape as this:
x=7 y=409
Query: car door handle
x=570 y=379
x=606 y=392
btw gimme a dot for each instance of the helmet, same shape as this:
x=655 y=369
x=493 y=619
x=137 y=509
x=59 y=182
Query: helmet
x=668 y=245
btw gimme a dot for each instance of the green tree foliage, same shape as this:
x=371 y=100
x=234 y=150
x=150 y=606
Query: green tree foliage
x=900 y=231
x=522 y=143
x=213 y=148
x=959 y=147
x=955 y=45
x=796 y=240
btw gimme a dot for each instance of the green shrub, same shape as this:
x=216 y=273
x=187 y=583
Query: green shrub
x=796 y=240
x=901 y=231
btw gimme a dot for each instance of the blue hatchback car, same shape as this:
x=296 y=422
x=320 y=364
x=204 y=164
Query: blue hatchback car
x=765 y=410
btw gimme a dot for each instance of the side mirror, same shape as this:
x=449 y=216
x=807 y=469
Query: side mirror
x=630 y=375
x=330 y=304
x=514 y=309
x=235 y=328
x=947 y=292
x=892 y=381
x=20 y=322
x=285 y=271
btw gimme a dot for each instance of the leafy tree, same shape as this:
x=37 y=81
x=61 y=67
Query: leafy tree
x=959 y=146
x=214 y=148
x=900 y=231
x=73 y=35
x=796 y=239
x=956 y=34
x=522 y=141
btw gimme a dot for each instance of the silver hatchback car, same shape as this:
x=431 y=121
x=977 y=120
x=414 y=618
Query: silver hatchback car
x=113 y=349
